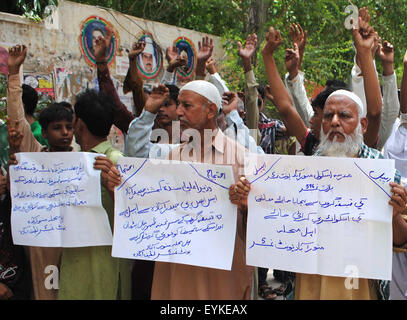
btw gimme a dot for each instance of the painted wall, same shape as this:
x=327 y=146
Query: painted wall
x=58 y=60
x=54 y=48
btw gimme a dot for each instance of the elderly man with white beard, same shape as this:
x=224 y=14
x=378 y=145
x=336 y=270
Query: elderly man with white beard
x=338 y=136
x=344 y=124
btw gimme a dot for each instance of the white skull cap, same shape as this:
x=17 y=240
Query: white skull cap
x=352 y=96
x=205 y=89
x=149 y=48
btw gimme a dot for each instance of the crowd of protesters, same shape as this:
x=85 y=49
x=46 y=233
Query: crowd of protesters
x=359 y=119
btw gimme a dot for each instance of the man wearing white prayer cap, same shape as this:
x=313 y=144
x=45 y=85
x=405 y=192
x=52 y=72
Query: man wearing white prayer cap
x=199 y=105
x=148 y=57
x=343 y=124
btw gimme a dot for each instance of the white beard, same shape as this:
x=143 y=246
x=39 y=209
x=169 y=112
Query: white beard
x=349 y=148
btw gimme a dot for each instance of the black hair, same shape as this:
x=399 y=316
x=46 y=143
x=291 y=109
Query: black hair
x=30 y=99
x=337 y=83
x=65 y=104
x=262 y=92
x=174 y=91
x=331 y=86
x=96 y=110
x=321 y=98
x=54 y=112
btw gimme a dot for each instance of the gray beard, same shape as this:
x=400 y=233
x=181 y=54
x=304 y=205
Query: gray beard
x=349 y=148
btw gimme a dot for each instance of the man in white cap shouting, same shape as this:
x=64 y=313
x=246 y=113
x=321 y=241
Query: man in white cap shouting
x=199 y=105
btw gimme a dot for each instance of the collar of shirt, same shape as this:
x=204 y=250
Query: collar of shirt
x=217 y=143
x=102 y=147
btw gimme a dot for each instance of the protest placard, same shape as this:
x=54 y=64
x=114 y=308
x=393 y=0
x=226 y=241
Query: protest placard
x=175 y=212
x=320 y=215
x=56 y=201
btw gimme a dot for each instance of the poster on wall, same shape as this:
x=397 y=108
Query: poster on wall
x=62 y=83
x=91 y=29
x=42 y=83
x=150 y=61
x=186 y=49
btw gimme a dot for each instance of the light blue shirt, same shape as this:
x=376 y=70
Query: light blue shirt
x=138 y=140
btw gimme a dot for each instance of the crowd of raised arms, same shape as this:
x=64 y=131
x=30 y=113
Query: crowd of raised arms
x=360 y=119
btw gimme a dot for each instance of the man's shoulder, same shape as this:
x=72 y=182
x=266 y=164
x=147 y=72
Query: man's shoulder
x=113 y=154
x=109 y=151
x=370 y=153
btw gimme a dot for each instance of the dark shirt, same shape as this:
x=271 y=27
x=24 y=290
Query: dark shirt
x=310 y=144
x=123 y=116
x=270 y=131
x=14 y=267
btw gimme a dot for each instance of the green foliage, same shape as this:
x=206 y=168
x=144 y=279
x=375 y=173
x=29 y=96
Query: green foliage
x=329 y=52
x=34 y=9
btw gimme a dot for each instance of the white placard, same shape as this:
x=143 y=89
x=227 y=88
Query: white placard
x=321 y=215
x=175 y=212
x=56 y=201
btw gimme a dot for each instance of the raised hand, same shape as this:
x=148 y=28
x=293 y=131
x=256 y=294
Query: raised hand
x=174 y=59
x=136 y=49
x=292 y=58
x=205 y=49
x=385 y=52
x=230 y=101
x=211 y=66
x=364 y=22
x=299 y=37
x=157 y=98
x=363 y=35
x=241 y=95
x=248 y=51
x=273 y=41
x=250 y=47
x=102 y=44
x=16 y=57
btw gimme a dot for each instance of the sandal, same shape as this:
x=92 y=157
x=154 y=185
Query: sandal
x=266 y=292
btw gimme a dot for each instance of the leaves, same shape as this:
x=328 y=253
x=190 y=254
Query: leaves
x=328 y=53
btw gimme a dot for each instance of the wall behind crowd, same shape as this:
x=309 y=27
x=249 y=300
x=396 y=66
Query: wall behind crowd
x=60 y=62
